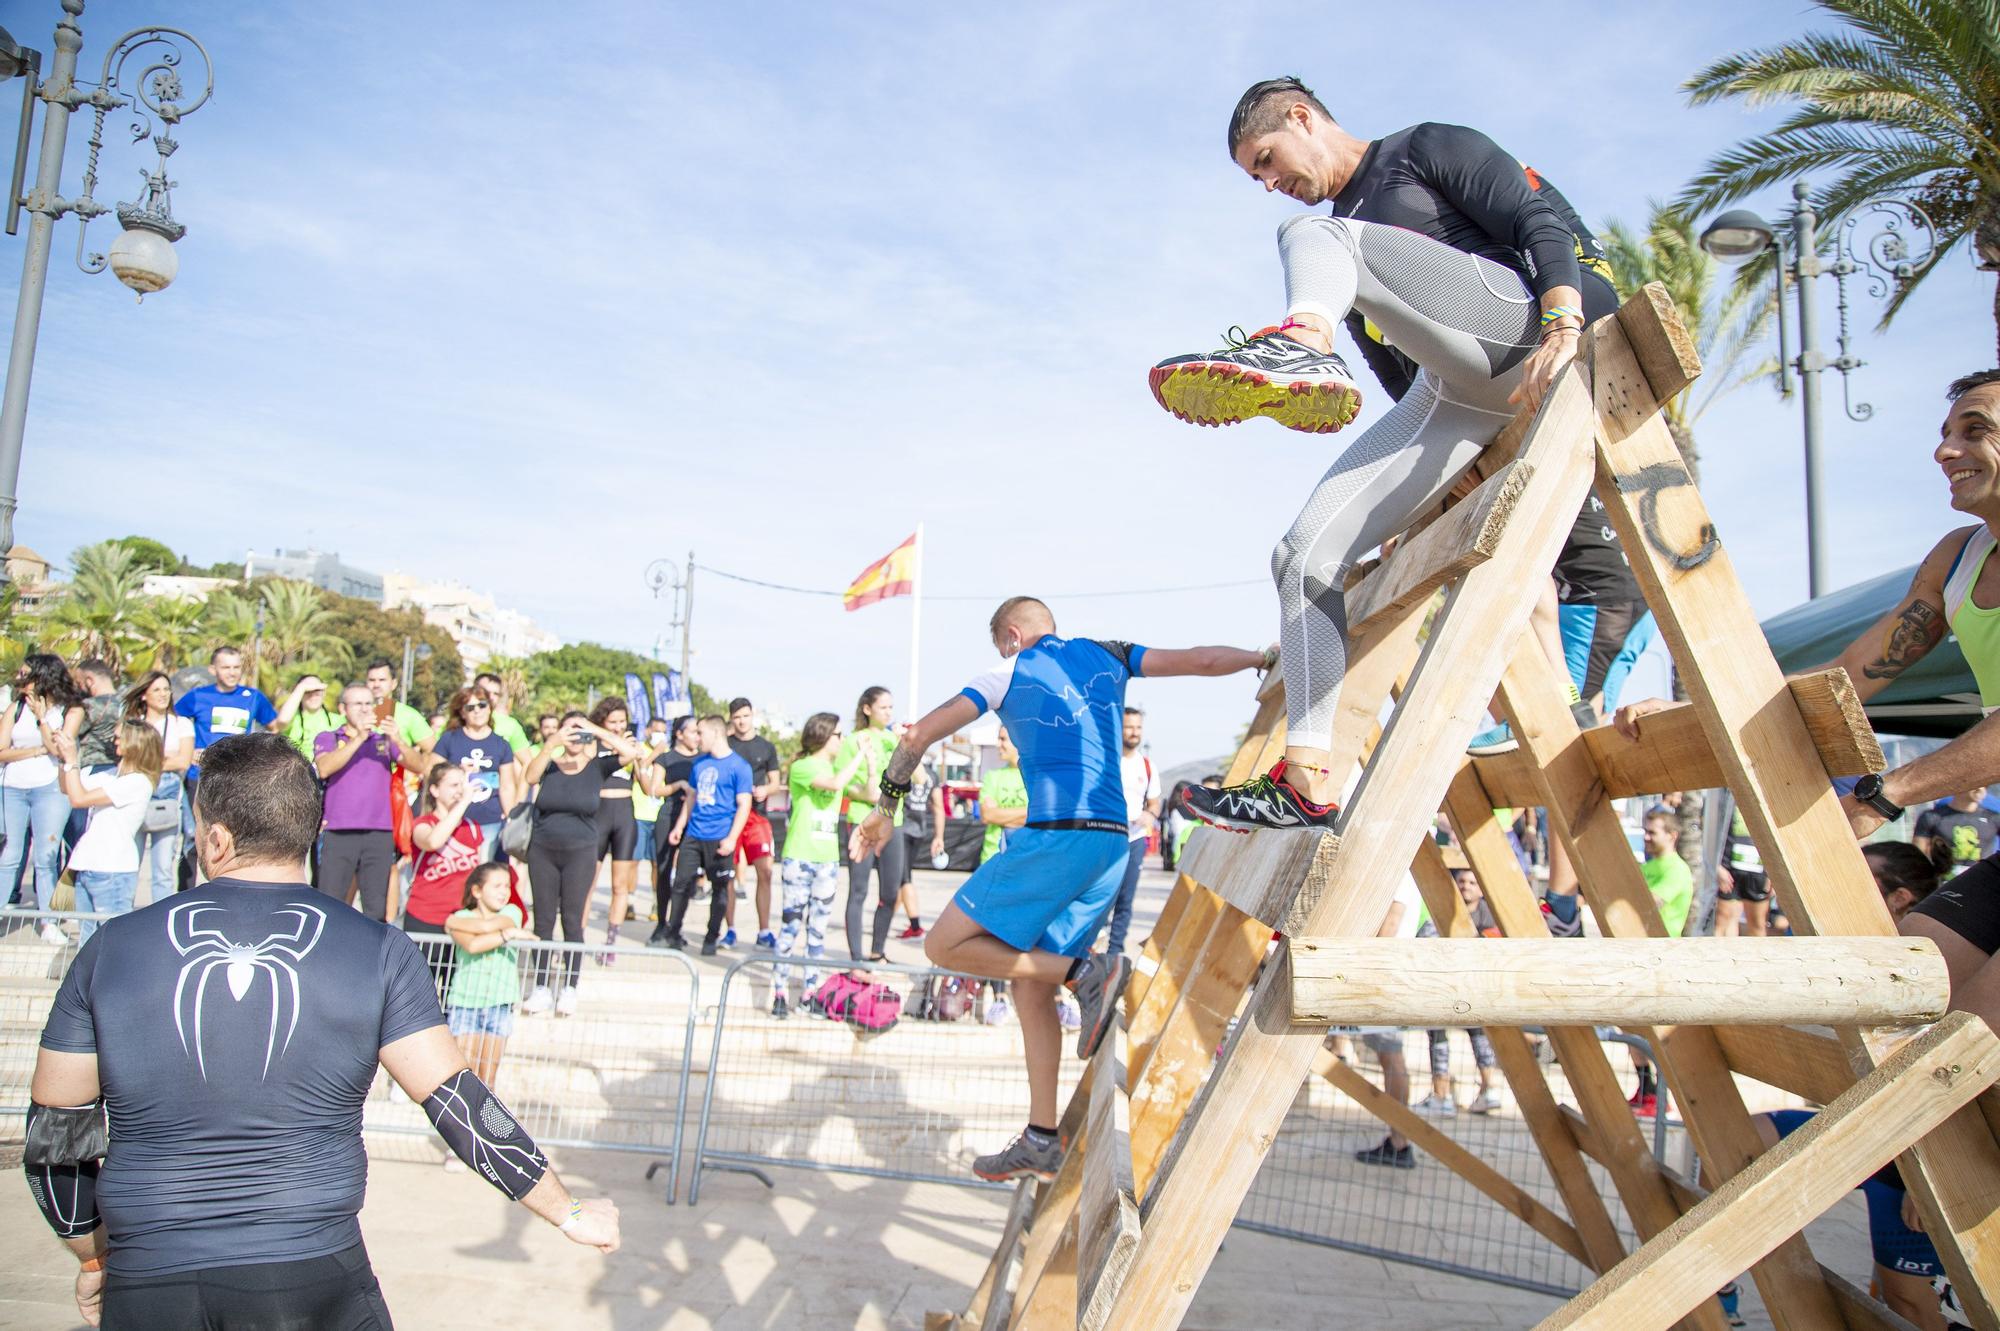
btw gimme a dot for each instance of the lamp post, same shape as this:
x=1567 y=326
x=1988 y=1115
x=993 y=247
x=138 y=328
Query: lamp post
x=141 y=71
x=1901 y=240
x=662 y=575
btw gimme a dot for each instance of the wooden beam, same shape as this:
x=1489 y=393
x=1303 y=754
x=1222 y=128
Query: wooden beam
x=1672 y=752
x=1606 y=1129
x=1465 y=537
x=1532 y=1097
x=1176 y=968
x=1107 y=1213
x=1049 y=1303
x=1531 y=696
x=1270 y=875
x=1909 y=1094
x=1766 y=749
x=1215 y=1157
x=1616 y=981
x=1425 y=1135
x=987 y=1312
x=1810 y=1063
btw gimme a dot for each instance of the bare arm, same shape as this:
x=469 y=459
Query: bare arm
x=433 y=836
x=933 y=726
x=844 y=777
x=1973 y=759
x=540 y=764
x=1159 y=662
x=728 y=843
x=1906 y=634
x=341 y=754
x=180 y=757
x=997 y=815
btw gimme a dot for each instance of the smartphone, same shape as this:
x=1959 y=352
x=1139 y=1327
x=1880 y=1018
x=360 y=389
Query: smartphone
x=386 y=709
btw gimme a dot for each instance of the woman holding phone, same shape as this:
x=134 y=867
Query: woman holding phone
x=569 y=776
x=617 y=820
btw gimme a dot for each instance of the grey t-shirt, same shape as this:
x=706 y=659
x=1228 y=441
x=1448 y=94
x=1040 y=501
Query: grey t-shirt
x=236 y=1029
x=97 y=742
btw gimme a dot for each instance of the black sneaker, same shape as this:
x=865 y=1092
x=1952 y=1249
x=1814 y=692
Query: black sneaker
x=1264 y=374
x=710 y=948
x=1263 y=801
x=1027 y=1156
x=780 y=1009
x=1382 y=1153
x=1098 y=983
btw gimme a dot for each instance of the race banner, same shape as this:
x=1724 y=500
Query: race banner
x=640 y=710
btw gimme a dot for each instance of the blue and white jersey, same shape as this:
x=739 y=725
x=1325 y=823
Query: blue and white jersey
x=1063 y=703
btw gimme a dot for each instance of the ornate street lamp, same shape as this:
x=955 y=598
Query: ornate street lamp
x=1888 y=241
x=143 y=72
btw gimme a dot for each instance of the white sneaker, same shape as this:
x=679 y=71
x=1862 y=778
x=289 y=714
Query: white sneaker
x=1485 y=1103
x=1068 y=1014
x=997 y=1012
x=1436 y=1106
x=53 y=935
x=540 y=1001
x=566 y=1005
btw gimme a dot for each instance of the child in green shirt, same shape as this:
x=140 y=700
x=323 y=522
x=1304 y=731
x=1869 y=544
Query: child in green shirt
x=810 y=871
x=486 y=971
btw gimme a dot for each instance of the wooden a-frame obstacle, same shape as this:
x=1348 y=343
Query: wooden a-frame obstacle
x=1166 y=1133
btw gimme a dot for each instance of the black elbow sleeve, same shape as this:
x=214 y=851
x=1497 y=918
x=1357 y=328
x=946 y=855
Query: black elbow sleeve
x=482 y=1133
x=61 y=1162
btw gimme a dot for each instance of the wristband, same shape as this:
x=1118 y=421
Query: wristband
x=575 y=1215
x=93 y=1263
x=892 y=788
x=1555 y=312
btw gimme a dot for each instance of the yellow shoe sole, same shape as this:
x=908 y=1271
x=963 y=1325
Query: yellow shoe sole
x=1218 y=393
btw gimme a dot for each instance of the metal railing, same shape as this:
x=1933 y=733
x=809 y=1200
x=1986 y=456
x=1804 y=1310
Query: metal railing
x=803 y=1092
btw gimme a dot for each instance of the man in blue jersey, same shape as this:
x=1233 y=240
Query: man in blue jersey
x=1028 y=916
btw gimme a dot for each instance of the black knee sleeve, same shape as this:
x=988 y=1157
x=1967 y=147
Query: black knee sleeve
x=61 y=1161
x=479 y=1129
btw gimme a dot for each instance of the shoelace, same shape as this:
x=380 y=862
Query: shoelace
x=1235 y=339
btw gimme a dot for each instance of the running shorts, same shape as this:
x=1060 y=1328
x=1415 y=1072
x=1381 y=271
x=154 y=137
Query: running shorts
x=1050 y=889
x=1592 y=636
x=337 y=1290
x=755 y=844
x=1750 y=885
x=1969 y=905
x=617 y=830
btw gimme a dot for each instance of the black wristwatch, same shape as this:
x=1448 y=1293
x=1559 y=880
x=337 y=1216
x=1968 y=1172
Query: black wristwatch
x=1869 y=791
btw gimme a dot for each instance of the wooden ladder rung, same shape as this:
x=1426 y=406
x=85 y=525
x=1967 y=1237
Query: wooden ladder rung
x=1464 y=538
x=1260 y=873
x=1107 y=1207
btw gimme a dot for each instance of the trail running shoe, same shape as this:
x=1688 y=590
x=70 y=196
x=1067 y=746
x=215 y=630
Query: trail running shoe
x=1097 y=984
x=767 y=941
x=1436 y=1106
x=1492 y=743
x=1485 y=1103
x=1264 y=374
x=1382 y=1153
x=1024 y=1157
x=912 y=930
x=1264 y=801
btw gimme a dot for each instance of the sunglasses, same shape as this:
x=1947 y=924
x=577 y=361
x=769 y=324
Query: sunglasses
x=476 y=707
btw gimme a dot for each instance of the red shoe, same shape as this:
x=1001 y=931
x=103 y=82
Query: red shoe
x=1645 y=1106
x=912 y=930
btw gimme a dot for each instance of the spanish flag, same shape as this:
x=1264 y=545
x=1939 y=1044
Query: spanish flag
x=894 y=574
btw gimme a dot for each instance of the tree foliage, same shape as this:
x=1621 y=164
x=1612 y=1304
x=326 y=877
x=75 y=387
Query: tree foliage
x=1904 y=100
x=152 y=556
x=565 y=677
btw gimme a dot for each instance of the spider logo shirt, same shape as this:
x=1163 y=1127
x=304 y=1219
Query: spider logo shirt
x=236 y=1029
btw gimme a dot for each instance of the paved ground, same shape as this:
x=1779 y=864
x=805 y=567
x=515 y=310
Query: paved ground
x=819 y=1251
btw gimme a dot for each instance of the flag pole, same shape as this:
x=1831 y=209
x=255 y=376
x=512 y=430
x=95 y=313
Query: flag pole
x=913 y=706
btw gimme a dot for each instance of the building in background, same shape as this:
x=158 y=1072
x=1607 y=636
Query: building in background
x=324 y=571
x=28 y=573
x=183 y=587
x=480 y=629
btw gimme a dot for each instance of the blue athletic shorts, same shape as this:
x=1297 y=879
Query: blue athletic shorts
x=496 y=1020
x=1049 y=889
x=1897 y=1246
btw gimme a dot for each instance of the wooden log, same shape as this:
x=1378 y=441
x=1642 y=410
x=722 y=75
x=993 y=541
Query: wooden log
x=1908 y=1095
x=1808 y=1062
x=1270 y=875
x=1215 y=1156
x=1107 y=1209
x=1616 y=981
x=1441 y=1146
x=1532 y=1096
x=1672 y=752
x=984 y=1311
x=1176 y=968
x=1465 y=537
x=1049 y=1303
x=1689 y=580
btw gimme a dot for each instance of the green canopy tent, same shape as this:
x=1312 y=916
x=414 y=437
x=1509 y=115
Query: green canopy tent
x=1938 y=696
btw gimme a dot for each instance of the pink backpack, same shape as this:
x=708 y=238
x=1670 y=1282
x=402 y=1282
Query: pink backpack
x=870 y=1008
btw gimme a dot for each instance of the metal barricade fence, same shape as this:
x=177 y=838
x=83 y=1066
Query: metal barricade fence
x=611 y=1076
x=916 y=1102
x=602 y=1078
x=1327 y=1180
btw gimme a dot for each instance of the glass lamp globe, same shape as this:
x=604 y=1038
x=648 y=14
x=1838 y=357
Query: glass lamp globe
x=143 y=260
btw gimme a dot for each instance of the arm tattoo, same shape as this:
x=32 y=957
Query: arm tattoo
x=1918 y=629
x=902 y=763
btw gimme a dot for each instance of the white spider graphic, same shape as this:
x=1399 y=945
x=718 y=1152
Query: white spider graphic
x=208 y=949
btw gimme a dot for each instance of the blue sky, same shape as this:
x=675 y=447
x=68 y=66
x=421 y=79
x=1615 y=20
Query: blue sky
x=474 y=290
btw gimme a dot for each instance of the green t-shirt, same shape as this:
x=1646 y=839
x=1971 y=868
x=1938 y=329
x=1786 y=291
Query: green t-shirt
x=1180 y=842
x=490 y=978
x=507 y=728
x=1672 y=885
x=309 y=726
x=411 y=728
x=874 y=745
x=812 y=832
x=1001 y=788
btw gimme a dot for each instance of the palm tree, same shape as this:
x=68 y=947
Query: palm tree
x=167 y=634
x=228 y=620
x=98 y=611
x=1905 y=102
x=298 y=626
x=1726 y=322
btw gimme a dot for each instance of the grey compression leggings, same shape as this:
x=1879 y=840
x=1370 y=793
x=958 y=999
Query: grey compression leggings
x=1470 y=323
x=886 y=865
